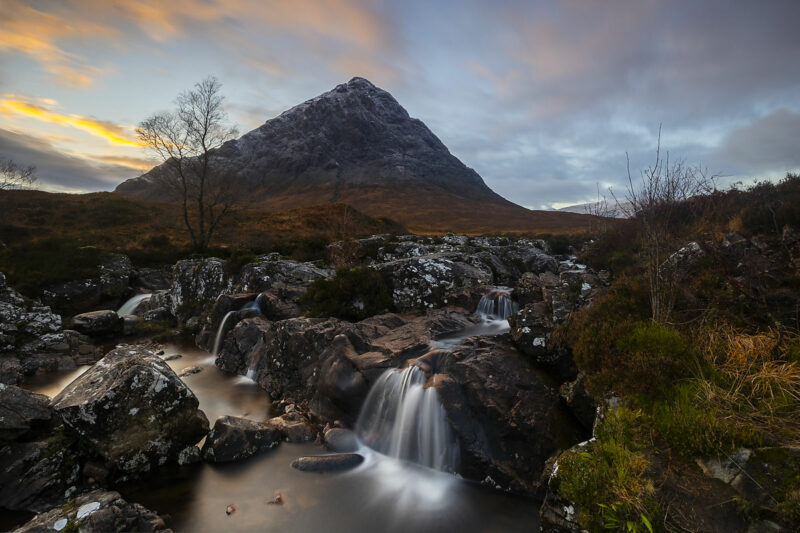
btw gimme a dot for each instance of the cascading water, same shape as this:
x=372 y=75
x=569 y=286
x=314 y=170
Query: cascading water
x=221 y=332
x=130 y=306
x=496 y=306
x=404 y=419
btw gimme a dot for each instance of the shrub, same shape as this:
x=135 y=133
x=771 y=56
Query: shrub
x=607 y=479
x=237 y=259
x=352 y=294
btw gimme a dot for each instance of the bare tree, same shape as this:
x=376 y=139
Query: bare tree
x=187 y=139
x=652 y=201
x=14 y=176
x=601 y=212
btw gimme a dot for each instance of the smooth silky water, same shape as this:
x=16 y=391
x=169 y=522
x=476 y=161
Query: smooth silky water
x=403 y=484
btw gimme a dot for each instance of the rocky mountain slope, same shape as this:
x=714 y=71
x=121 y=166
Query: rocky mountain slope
x=357 y=145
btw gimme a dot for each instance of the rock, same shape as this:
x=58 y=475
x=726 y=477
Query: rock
x=284 y=278
x=108 y=289
x=98 y=323
x=233 y=439
x=189 y=456
x=26 y=327
x=341 y=388
x=428 y=281
x=226 y=305
x=789 y=236
x=530 y=331
x=129 y=324
x=190 y=370
x=99 y=511
x=727 y=468
x=152 y=279
x=293 y=430
x=327 y=463
x=769 y=475
x=196 y=282
x=131 y=387
x=22 y=412
x=579 y=401
x=341 y=440
x=681 y=262
x=528 y=289
x=10 y=371
x=172 y=357
x=34 y=475
x=506 y=416
x=557 y=513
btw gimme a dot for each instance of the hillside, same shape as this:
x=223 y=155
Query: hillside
x=357 y=145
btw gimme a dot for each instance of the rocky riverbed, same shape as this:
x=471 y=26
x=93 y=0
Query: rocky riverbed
x=224 y=423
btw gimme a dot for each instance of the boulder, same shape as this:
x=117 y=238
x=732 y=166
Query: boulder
x=26 y=326
x=327 y=463
x=341 y=440
x=131 y=387
x=507 y=416
x=234 y=438
x=98 y=323
x=226 y=305
x=195 y=282
x=34 y=475
x=429 y=281
x=579 y=401
x=99 y=511
x=22 y=412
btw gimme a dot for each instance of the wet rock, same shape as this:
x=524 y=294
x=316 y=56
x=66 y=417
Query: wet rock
x=98 y=323
x=223 y=305
x=131 y=387
x=341 y=440
x=99 y=511
x=293 y=429
x=189 y=371
x=327 y=463
x=233 y=439
x=10 y=370
x=506 y=414
x=530 y=331
x=341 y=387
x=22 y=412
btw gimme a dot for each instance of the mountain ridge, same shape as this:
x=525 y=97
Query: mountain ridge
x=356 y=144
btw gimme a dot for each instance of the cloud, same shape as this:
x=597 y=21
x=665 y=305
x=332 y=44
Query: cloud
x=35 y=33
x=60 y=172
x=769 y=144
x=113 y=133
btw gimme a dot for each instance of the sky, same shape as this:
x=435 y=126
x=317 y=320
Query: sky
x=542 y=98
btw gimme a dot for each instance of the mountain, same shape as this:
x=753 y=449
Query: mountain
x=357 y=145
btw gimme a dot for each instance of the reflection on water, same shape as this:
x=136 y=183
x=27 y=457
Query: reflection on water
x=383 y=495
x=218 y=393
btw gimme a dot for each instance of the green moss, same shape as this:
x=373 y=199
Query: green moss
x=607 y=479
x=352 y=294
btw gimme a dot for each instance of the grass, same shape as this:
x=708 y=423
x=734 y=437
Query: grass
x=607 y=478
x=47 y=238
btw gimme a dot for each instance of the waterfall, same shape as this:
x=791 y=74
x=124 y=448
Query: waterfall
x=403 y=419
x=221 y=332
x=497 y=305
x=130 y=306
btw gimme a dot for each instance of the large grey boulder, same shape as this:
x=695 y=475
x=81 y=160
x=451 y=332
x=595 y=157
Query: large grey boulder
x=234 y=438
x=25 y=326
x=196 y=282
x=131 y=410
x=99 y=511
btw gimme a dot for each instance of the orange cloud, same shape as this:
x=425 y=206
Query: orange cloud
x=113 y=133
x=136 y=163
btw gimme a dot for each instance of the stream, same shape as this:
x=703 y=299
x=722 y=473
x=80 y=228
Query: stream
x=383 y=494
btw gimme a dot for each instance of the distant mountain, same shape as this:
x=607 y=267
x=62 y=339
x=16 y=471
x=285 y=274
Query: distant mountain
x=357 y=145
x=611 y=209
